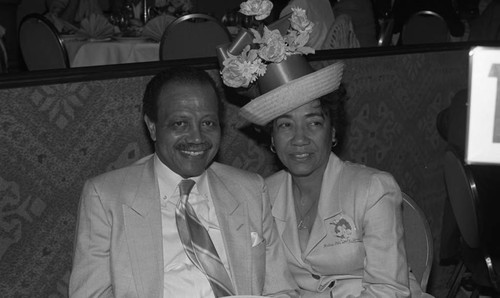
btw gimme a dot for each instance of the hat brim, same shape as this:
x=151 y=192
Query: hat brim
x=293 y=94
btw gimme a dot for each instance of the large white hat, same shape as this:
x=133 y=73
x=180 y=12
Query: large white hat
x=278 y=65
x=288 y=85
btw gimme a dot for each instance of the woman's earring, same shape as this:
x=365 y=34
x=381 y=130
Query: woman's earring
x=334 y=139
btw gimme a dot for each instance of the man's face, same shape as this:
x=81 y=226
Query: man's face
x=187 y=133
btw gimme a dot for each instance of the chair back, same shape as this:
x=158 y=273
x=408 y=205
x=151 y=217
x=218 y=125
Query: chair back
x=193 y=36
x=463 y=197
x=425 y=27
x=41 y=45
x=386 y=31
x=418 y=241
x=3 y=57
x=465 y=203
x=282 y=24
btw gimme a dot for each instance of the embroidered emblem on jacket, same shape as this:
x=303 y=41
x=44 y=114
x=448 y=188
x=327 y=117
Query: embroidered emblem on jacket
x=344 y=229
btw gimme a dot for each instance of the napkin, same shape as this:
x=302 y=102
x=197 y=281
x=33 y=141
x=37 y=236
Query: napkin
x=96 y=26
x=155 y=27
x=62 y=26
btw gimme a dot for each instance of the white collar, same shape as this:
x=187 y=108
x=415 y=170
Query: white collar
x=168 y=181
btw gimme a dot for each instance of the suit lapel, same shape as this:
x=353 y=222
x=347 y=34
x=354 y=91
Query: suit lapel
x=232 y=215
x=142 y=218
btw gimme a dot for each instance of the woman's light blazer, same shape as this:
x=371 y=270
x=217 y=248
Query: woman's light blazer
x=356 y=246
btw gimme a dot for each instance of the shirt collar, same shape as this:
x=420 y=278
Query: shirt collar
x=168 y=181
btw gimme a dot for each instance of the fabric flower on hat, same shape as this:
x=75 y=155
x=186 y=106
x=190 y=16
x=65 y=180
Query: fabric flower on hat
x=261 y=9
x=264 y=47
x=300 y=22
x=242 y=70
x=273 y=47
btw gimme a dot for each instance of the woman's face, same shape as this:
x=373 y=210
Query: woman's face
x=303 y=139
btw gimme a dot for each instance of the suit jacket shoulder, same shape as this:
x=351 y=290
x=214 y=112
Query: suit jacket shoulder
x=237 y=178
x=125 y=179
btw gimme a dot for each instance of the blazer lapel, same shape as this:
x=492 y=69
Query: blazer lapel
x=232 y=216
x=328 y=205
x=284 y=215
x=142 y=218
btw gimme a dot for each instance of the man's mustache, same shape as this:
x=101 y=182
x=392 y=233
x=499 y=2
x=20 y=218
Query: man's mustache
x=194 y=147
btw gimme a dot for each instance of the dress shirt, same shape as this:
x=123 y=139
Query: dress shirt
x=181 y=277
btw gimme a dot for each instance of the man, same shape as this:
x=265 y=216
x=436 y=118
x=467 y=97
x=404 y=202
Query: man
x=128 y=243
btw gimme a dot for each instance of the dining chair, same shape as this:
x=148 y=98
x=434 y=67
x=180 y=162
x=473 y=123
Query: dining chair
x=40 y=43
x=282 y=24
x=3 y=57
x=193 y=36
x=465 y=204
x=424 y=27
x=418 y=241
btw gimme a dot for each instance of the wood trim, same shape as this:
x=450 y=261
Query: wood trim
x=58 y=76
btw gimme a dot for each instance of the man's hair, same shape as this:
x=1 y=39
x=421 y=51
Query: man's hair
x=184 y=74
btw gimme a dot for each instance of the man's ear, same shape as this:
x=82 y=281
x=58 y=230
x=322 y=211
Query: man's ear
x=151 y=127
x=334 y=139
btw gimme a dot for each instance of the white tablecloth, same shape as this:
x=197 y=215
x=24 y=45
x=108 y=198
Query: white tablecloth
x=92 y=53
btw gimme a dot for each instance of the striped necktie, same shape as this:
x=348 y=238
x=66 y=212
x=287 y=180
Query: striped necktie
x=198 y=245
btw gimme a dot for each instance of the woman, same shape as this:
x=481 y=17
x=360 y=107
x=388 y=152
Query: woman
x=340 y=222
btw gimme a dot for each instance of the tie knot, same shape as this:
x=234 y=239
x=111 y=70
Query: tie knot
x=185 y=186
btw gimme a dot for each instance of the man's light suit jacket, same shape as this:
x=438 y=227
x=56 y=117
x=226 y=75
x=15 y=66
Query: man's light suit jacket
x=119 y=249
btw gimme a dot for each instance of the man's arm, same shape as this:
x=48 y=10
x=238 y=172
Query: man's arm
x=90 y=276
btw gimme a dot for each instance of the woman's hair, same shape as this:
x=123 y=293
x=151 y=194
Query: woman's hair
x=333 y=107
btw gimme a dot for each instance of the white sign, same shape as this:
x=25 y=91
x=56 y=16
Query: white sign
x=483 y=129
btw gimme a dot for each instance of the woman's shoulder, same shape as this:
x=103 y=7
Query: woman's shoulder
x=361 y=171
x=276 y=177
x=274 y=182
x=369 y=183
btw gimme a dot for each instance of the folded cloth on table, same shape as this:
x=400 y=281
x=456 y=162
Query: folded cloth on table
x=96 y=26
x=61 y=25
x=155 y=27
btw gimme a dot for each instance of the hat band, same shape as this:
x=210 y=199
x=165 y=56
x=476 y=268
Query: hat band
x=277 y=74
